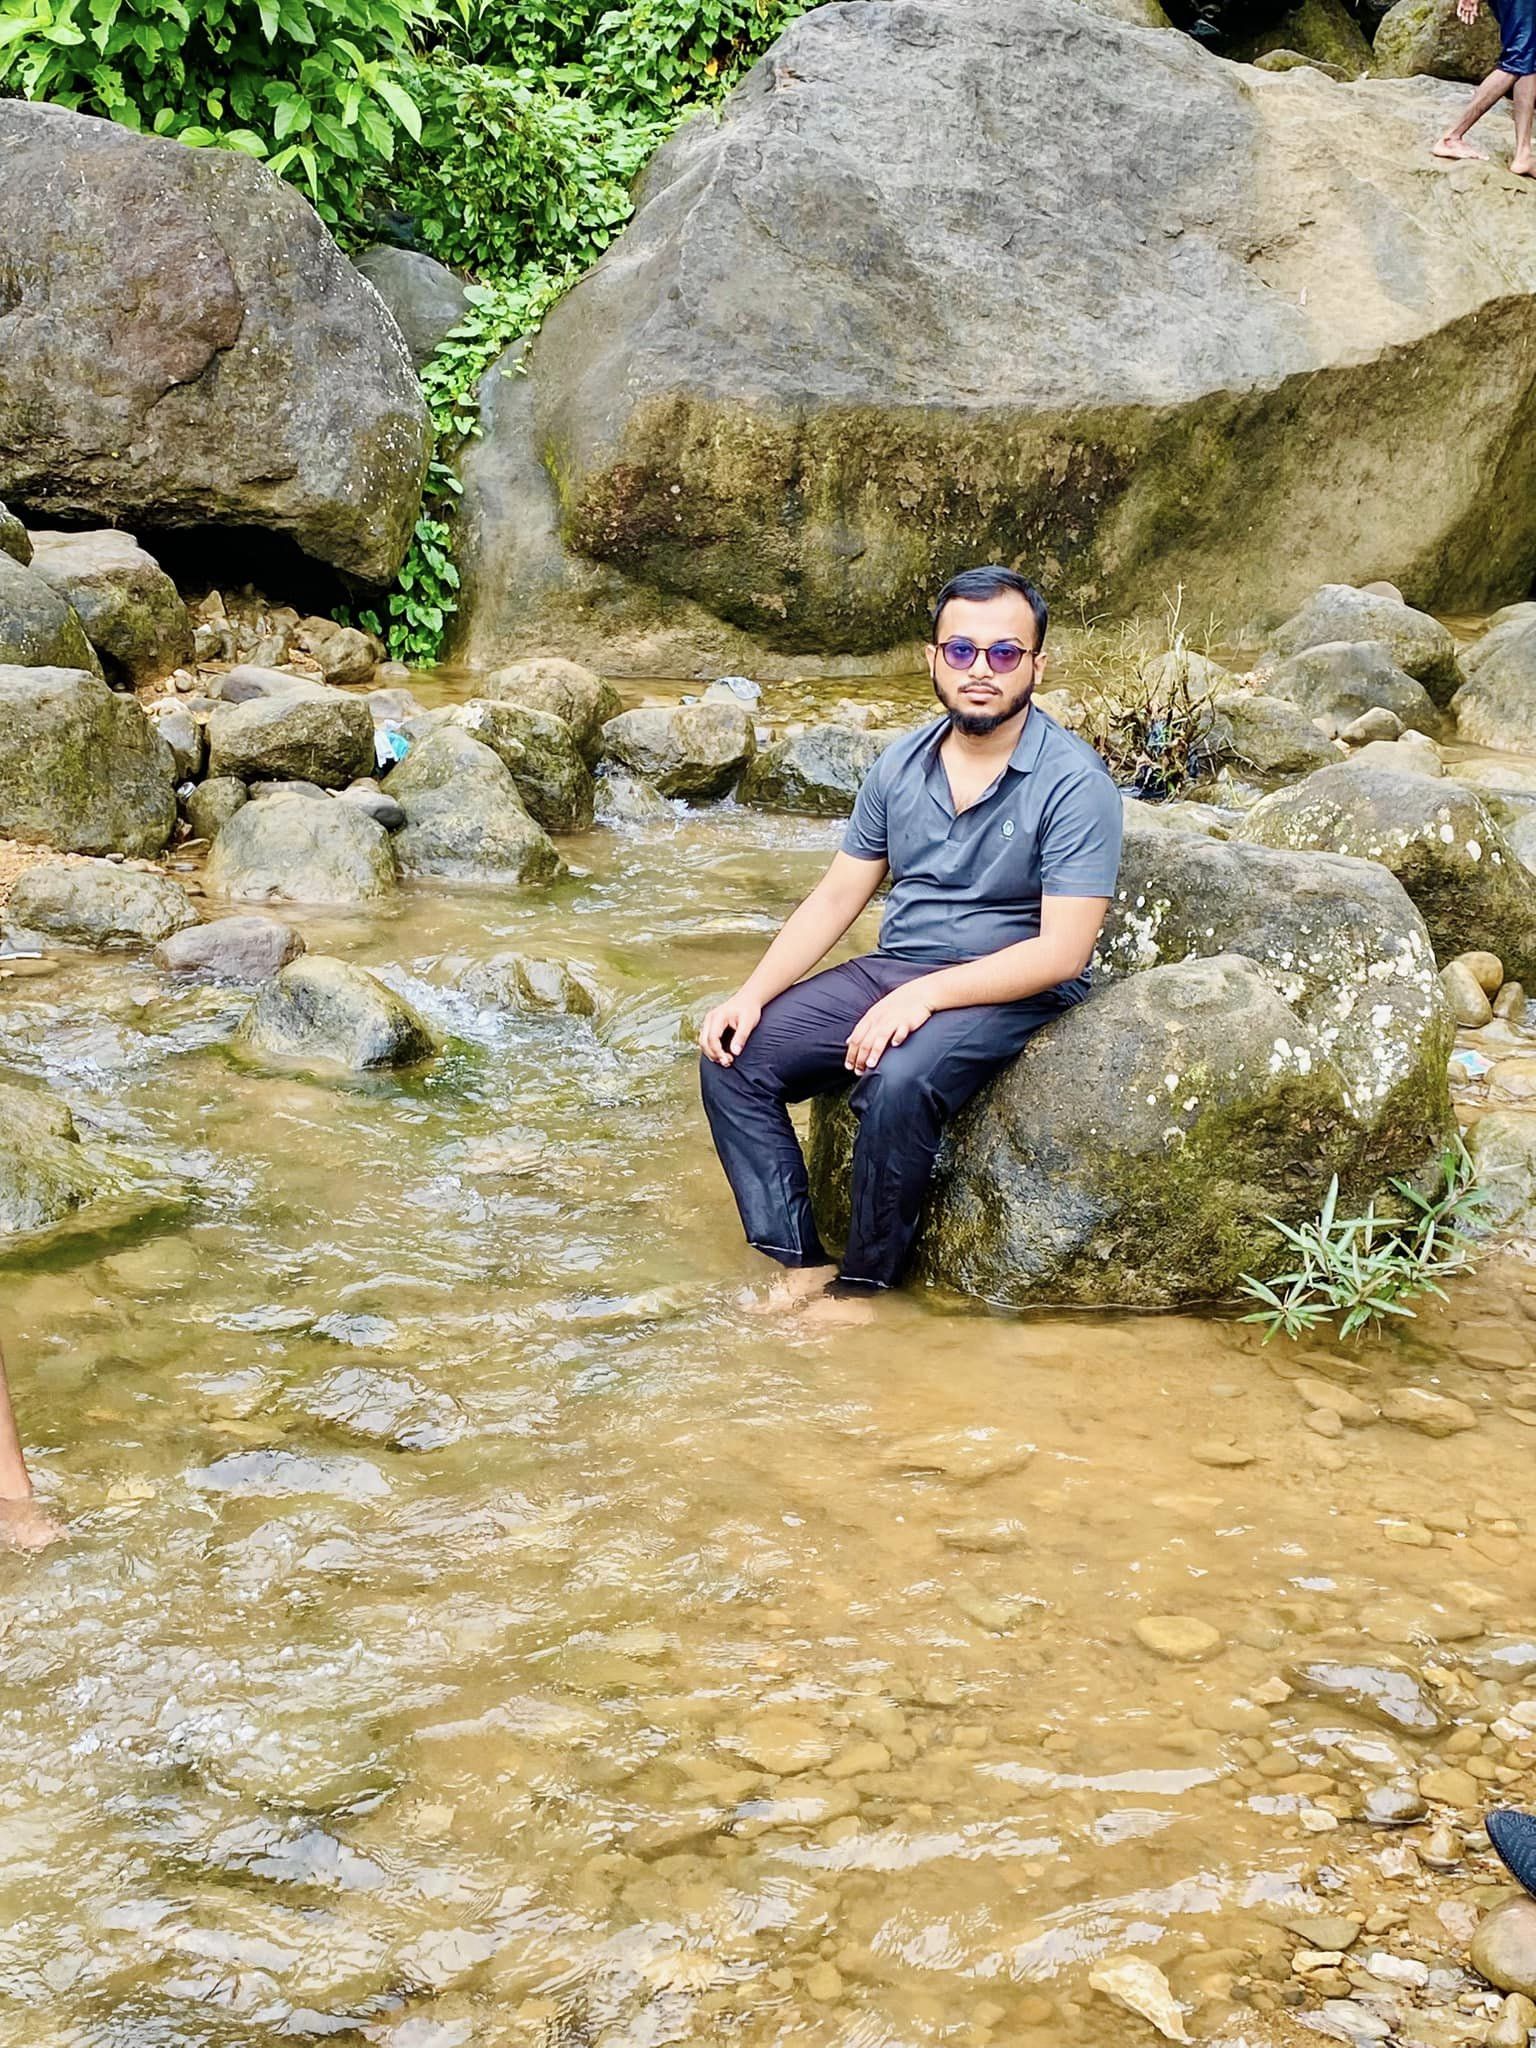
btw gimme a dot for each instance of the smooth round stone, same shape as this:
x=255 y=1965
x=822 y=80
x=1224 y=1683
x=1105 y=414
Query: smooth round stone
x=1180 y=1638
x=1393 y=1806
x=781 y=1744
x=1504 y=1947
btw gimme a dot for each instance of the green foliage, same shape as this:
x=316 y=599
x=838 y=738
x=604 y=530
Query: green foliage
x=1362 y=1269
x=316 y=88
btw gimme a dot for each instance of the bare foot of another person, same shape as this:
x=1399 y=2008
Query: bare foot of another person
x=25 y=1526
x=789 y=1293
x=1523 y=166
x=1456 y=147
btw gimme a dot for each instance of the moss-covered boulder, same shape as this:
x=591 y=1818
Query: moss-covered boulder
x=1420 y=645
x=38 y=628
x=530 y=985
x=816 y=772
x=1496 y=706
x=564 y=689
x=1134 y=1152
x=297 y=849
x=687 y=750
x=53 y=1185
x=541 y=753
x=131 y=610
x=96 y=904
x=1437 y=837
x=323 y=1012
x=81 y=767
x=15 y=541
x=310 y=734
x=464 y=819
x=1322 y=31
x=1429 y=39
x=1344 y=679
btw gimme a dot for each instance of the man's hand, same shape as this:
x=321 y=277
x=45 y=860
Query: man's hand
x=738 y=1015
x=891 y=1021
x=1467 y=10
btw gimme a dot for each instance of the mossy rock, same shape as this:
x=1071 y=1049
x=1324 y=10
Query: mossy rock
x=565 y=690
x=130 y=609
x=81 y=768
x=1428 y=39
x=464 y=818
x=541 y=753
x=687 y=750
x=38 y=628
x=1323 y=31
x=816 y=773
x=55 y=1189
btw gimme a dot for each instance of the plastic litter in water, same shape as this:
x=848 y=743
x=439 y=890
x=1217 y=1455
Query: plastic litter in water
x=390 y=745
x=1473 y=1065
x=1141 y=1988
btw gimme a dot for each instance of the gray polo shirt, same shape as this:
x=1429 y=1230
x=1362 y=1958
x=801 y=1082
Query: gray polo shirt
x=963 y=886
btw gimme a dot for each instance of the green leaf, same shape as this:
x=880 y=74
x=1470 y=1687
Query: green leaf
x=400 y=104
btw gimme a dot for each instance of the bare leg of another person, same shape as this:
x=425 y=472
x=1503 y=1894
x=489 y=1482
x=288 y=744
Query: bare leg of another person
x=23 y=1525
x=1522 y=163
x=1453 y=143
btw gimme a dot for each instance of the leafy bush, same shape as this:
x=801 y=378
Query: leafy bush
x=317 y=88
x=1363 y=1269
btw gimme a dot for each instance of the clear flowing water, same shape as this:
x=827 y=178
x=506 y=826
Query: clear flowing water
x=479 y=1626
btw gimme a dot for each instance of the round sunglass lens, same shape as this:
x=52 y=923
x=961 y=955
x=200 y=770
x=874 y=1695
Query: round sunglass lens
x=959 y=653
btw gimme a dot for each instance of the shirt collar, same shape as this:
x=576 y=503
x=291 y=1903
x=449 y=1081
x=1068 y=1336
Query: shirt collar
x=1026 y=752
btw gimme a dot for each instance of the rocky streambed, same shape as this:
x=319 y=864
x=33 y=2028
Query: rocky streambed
x=478 y=1626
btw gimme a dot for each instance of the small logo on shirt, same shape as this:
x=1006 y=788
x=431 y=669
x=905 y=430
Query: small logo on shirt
x=1007 y=828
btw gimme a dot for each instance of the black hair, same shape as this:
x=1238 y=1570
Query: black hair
x=980 y=584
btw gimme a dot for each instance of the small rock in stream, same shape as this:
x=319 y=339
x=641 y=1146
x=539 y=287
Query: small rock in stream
x=1429 y=1413
x=243 y=949
x=1504 y=1947
x=1469 y=1005
x=272 y=1474
x=1377 y=1692
x=1180 y=1638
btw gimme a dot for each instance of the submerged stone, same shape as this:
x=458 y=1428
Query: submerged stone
x=1377 y=1692
x=319 y=1009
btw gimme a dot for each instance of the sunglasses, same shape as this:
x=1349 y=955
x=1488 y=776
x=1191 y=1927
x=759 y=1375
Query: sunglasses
x=1002 y=658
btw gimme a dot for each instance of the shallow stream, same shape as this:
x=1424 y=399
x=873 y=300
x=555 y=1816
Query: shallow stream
x=480 y=1626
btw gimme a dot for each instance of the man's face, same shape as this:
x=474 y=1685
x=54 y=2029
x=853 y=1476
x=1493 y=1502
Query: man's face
x=977 y=699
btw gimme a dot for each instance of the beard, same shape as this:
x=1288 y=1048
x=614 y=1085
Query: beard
x=976 y=724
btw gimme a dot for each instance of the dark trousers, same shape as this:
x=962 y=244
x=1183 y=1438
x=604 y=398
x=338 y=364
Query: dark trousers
x=903 y=1105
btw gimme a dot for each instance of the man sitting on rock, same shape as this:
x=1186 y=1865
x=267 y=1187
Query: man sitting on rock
x=1001 y=835
x=1515 y=75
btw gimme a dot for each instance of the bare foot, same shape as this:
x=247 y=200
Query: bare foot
x=1456 y=147
x=789 y=1293
x=24 y=1526
x=837 y=1312
x=1523 y=166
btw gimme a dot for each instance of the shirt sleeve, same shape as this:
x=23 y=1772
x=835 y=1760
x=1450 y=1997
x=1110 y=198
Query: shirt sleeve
x=865 y=837
x=1080 y=845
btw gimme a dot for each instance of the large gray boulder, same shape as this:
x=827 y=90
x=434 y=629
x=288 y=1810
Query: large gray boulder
x=309 y=734
x=824 y=306
x=464 y=820
x=81 y=768
x=424 y=297
x=1429 y=39
x=38 y=628
x=1437 y=837
x=131 y=611
x=1343 y=679
x=320 y=1011
x=53 y=1185
x=541 y=754
x=1420 y=646
x=295 y=849
x=1136 y=1150
x=1263 y=1019
x=183 y=345
x=816 y=772
x=96 y=905
x=689 y=750
x=1496 y=706
x=565 y=690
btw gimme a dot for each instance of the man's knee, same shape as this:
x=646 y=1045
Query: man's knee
x=897 y=1094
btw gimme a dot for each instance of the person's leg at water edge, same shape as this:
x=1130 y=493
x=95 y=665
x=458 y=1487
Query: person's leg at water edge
x=23 y=1524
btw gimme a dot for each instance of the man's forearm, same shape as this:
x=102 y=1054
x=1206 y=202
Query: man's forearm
x=1007 y=976
x=812 y=931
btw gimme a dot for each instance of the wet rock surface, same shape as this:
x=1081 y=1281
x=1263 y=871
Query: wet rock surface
x=464 y=818
x=94 y=904
x=817 y=772
x=694 y=750
x=324 y=1011
x=293 y=849
x=232 y=949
